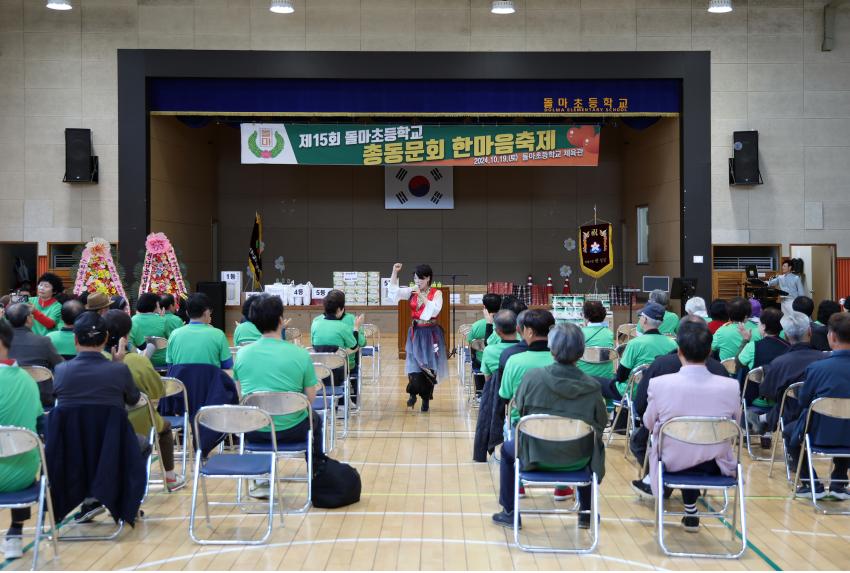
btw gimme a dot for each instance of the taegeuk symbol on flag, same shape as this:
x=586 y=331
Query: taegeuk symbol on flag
x=408 y=187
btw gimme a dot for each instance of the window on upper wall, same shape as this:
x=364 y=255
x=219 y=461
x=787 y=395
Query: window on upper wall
x=643 y=234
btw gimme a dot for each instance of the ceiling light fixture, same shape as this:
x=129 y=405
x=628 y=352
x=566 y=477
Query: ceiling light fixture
x=719 y=6
x=59 y=4
x=502 y=7
x=282 y=7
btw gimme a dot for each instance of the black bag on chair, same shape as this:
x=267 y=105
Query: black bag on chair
x=335 y=484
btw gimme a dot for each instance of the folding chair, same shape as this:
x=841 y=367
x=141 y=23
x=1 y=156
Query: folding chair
x=778 y=435
x=145 y=404
x=281 y=404
x=234 y=420
x=731 y=365
x=15 y=441
x=477 y=345
x=159 y=343
x=325 y=404
x=334 y=361
x=372 y=350
x=44 y=379
x=180 y=425
x=626 y=403
x=462 y=351
x=702 y=431
x=626 y=332
x=293 y=335
x=838 y=408
x=600 y=355
x=554 y=429
x=756 y=377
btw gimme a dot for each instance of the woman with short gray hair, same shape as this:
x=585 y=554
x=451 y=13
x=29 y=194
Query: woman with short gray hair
x=566 y=342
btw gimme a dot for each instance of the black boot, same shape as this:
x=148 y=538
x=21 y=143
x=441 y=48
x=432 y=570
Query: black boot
x=425 y=404
x=411 y=401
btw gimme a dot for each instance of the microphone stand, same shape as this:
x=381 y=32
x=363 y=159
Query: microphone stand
x=454 y=312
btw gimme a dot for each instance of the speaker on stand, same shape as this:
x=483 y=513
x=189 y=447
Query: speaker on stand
x=80 y=165
x=217 y=292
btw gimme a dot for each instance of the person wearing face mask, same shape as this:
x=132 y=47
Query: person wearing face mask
x=46 y=310
x=426 y=360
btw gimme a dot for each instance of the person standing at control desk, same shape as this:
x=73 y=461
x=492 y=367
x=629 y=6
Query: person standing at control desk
x=790 y=283
x=426 y=360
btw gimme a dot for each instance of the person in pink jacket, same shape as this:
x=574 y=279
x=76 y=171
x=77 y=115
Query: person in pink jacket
x=693 y=391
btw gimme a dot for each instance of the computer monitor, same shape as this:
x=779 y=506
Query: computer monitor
x=655 y=283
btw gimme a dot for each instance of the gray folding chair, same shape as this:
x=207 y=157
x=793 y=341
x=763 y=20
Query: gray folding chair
x=778 y=435
x=754 y=377
x=293 y=335
x=146 y=406
x=554 y=429
x=626 y=404
x=43 y=377
x=334 y=361
x=626 y=332
x=371 y=350
x=702 y=431
x=180 y=425
x=234 y=420
x=731 y=365
x=325 y=404
x=600 y=355
x=463 y=351
x=15 y=441
x=281 y=404
x=838 y=408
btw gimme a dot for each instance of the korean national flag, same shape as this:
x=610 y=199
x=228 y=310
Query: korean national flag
x=408 y=187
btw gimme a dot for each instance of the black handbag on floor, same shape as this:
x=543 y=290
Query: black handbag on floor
x=335 y=484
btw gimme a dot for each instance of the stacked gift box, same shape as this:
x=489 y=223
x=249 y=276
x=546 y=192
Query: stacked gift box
x=361 y=288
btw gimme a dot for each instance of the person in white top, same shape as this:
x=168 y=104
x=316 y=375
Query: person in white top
x=426 y=343
x=790 y=283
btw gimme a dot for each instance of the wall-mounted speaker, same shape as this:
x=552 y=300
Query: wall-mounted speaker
x=80 y=165
x=744 y=166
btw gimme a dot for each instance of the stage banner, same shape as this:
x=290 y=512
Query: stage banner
x=408 y=187
x=596 y=256
x=394 y=144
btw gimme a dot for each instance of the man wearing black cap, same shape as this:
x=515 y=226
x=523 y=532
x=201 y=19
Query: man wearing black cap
x=641 y=350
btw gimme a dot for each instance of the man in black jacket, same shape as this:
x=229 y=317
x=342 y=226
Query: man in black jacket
x=29 y=349
x=826 y=309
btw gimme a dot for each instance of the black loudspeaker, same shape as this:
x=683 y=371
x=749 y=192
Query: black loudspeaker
x=80 y=166
x=217 y=291
x=744 y=167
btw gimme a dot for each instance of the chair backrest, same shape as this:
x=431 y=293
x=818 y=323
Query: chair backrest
x=172 y=386
x=227 y=419
x=332 y=360
x=635 y=376
x=552 y=428
x=626 y=332
x=478 y=344
x=599 y=355
x=277 y=403
x=293 y=334
x=731 y=365
x=831 y=407
x=372 y=334
x=701 y=431
x=38 y=373
x=14 y=441
x=463 y=330
x=158 y=342
x=322 y=371
x=754 y=376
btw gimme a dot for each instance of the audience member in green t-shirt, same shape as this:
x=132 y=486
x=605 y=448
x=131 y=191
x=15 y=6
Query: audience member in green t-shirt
x=20 y=406
x=147 y=322
x=63 y=339
x=46 y=310
x=728 y=341
x=641 y=350
x=512 y=303
x=670 y=322
x=479 y=331
x=274 y=365
x=246 y=332
x=199 y=342
x=535 y=332
x=504 y=326
x=597 y=333
x=168 y=307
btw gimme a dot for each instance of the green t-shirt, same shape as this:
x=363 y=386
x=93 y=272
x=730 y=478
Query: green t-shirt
x=494 y=338
x=597 y=336
x=274 y=365
x=515 y=369
x=63 y=341
x=491 y=355
x=669 y=324
x=478 y=330
x=19 y=406
x=197 y=343
x=643 y=350
x=340 y=333
x=172 y=321
x=54 y=311
x=727 y=340
x=246 y=332
x=150 y=324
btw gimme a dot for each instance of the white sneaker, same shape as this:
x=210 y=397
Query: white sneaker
x=259 y=489
x=13 y=548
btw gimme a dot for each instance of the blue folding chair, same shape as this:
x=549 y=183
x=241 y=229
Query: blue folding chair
x=145 y=405
x=372 y=350
x=838 y=408
x=229 y=419
x=325 y=405
x=15 y=441
x=625 y=406
x=180 y=425
x=554 y=429
x=281 y=404
x=702 y=431
x=754 y=377
x=778 y=435
x=335 y=361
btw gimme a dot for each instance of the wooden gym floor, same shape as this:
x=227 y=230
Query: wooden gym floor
x=426 y=505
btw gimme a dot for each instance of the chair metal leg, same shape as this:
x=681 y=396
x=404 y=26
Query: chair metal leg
x=39 y=525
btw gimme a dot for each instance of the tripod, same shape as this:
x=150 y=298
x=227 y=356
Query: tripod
x=454 y=311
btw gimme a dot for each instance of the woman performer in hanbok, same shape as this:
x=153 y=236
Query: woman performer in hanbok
x=426 y=343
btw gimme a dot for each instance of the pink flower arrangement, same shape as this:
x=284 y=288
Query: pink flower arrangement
x=157 y=243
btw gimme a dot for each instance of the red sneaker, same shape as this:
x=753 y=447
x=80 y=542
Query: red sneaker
x=563 y=493
x=522 y=491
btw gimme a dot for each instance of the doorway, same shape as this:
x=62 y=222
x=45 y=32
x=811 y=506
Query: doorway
x=818 y=269
x=17 y=265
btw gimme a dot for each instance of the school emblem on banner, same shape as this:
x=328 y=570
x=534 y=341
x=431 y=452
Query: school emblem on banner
x=596 y=255
x=408 y=187
x=266 y=143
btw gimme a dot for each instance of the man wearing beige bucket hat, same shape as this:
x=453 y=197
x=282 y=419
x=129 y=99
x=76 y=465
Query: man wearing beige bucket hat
x=98 y=302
